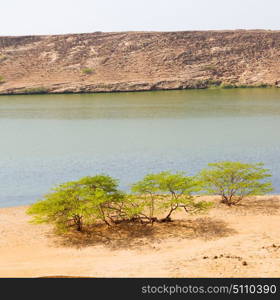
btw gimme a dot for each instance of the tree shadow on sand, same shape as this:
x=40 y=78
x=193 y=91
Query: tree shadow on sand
x=134 y=235
x=253 y=205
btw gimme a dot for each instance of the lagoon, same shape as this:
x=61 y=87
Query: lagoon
x=50 y=139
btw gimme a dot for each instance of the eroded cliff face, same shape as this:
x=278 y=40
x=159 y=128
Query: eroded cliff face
x=131 y=61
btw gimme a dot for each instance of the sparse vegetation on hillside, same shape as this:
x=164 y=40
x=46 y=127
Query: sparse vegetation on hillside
x=2 y=57
x=2 y=79
x=87 y=71
x=142 y=61
x=209 y=68
x=225 y=85
x=36 y=90
x=218 y=84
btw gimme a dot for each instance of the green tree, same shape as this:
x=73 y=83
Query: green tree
x=77 y=203
x=180 y=189
x=235 y=180
x=169 y=191
x=148 y=188
x=112 y=199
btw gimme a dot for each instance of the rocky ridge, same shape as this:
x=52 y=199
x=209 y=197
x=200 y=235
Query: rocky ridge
x=139 y=61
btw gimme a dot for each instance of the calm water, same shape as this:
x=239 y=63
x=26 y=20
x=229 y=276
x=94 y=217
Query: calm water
x=50 y=139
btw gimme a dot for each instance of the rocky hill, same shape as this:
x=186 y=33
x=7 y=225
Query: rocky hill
x=130 y=61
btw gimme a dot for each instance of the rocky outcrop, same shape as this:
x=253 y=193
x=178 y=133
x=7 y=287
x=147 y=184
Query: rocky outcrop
x=138 y=61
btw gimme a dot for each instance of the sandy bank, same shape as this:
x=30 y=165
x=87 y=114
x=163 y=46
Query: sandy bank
x=238 y=242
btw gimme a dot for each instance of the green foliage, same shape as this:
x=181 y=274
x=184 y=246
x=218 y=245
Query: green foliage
x=2 y=79
x=262 y=85
x=168 y=191
x=213 y=83
x=210 y=67
x=225 y=85
x=112 y=197
x=37 y=90
x=200 y=84
x=77 y=203
x=97 y=199
x=218 y=84
x=133 y=208
x=235 y=180
x=87 y=71
x=3 y=58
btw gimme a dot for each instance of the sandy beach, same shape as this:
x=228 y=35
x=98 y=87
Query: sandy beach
x=241 y=241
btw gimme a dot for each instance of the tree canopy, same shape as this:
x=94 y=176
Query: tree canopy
x=169 y=191
x=154 y=198
x=76 y=203
x=234 y=181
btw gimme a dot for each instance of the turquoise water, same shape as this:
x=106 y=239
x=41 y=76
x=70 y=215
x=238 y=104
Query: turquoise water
x=49 y=139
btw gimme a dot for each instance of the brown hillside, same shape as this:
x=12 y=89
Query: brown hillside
x=128 y=61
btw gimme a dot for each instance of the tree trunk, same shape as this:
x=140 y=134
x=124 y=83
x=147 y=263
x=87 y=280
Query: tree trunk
x=225 y=200
x=168 y=217
x=78 y=223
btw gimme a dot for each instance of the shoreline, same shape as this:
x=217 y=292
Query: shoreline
x=15 y=93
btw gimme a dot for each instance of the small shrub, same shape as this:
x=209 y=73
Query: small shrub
x=87 y=71
x=213 y=83
x=36 y=90
x=209 y=68
x=3 y=57
x=2 y=79
x=242 y=86
x=262 y=85
x=228 y=86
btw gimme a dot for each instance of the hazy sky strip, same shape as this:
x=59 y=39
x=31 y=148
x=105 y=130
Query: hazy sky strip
x=24 y=17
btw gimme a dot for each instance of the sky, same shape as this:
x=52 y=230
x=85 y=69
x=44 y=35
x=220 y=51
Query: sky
x=28 y=17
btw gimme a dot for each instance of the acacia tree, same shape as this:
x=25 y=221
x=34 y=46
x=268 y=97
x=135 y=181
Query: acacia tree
x=169 y=191
x=77 y=203
x=234 y=181
x=147 y=187
x=112 y=197
x=180 y=189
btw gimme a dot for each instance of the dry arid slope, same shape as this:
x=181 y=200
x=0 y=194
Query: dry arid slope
x=130 y=61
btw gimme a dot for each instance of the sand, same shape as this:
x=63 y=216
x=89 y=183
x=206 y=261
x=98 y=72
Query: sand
x=226 y=242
